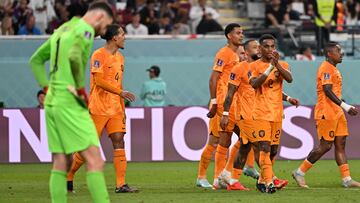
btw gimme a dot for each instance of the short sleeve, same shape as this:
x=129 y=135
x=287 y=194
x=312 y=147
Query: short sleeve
x=97 y=62
x=326 y=76
x=235 y=75
x=220 y=62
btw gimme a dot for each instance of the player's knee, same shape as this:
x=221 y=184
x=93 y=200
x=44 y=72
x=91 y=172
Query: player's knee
x=264 y=146
x=245 y=148
x=273 y=151
x=325 y=148
x=95 y=164
x=119 y=144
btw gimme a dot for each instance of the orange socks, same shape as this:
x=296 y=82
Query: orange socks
x=120 y=166
x=266 y=167
x=304 y=167
x=77 y=162
x=205 y=160
x=344 y=170
x=236 y=173
x=234 y=150
x=250 y=159
x=220 y=160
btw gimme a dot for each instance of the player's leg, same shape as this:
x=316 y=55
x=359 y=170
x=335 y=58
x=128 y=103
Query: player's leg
x=340 y=154
x=263 y=130
x=61 y=164
x=78 y=134
x=95 y=177
x=233 y=151
x=116 y=128
x=249 y=169
x=326 y=134
x=205 y=159
x=57 y=182
x=77 y=159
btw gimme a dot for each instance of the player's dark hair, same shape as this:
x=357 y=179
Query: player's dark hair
x=102 y=6
x=229 y=28
x=247 y=42
x=40 y=92
x=111 y=31
x=265 y=37
x=304 y=48
x=329 y=47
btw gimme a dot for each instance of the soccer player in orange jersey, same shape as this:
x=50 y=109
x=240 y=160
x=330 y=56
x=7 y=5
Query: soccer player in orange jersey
x=106 y=102
x=267 y=78
x=225 y=59
x=330 y=118
x=239 y=82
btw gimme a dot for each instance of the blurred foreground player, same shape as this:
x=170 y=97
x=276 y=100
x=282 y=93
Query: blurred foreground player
x=330 y=119
x=106 y=104
x=69 y=126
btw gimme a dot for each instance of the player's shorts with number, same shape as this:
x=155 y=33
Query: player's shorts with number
x=247 y=132
x=329 y=129
x=70 y=129
x=268 y=131
x=112 y=124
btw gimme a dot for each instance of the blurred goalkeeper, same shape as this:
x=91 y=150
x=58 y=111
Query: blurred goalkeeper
x=69 y=126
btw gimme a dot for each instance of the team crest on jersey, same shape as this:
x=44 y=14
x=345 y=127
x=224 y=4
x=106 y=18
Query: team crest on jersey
x=96 y=64
x=219 y=62
x=87 y=34
x=326 y=76
x=232 y=76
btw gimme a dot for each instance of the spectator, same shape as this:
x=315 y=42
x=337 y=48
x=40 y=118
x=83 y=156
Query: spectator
x=352 y=12
x=29 y=28
x=180 y=28
x=165 y=25
x=202 y=13
x=21 y=12
x=276 y=14
x=40 y=12
x=325 y=17
x=150 y=17
x=41 y=99
x=135 y=27
x=154 y=90
x=7 y=26
x=125 y=16
x=305 y=54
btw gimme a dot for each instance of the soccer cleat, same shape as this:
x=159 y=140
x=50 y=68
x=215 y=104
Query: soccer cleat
x=351 y=183
x=300 y=179
x=251 y=172
x=219 y=184
x=204 y=183
x=270 y=188
x=225 y=177
x=280 y=184
x=237 y=186
x=125 y=189
x=70 y=186
x=261 y=187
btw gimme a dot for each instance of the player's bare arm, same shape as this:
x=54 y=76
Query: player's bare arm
x=256 y=82
x=292 y=101
x=228 y=100
x=283 y=72
x=214 y=78
x=351 y=110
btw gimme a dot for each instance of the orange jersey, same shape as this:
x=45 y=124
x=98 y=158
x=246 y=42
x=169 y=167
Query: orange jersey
x=102 y=102
x=239 y=77
x=325 y=108
x=225 y=60
x=268 y=97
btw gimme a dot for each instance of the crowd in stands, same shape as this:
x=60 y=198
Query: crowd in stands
x=140 y=17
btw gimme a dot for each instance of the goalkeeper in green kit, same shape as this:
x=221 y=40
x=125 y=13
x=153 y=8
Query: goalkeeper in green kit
x=69 y=126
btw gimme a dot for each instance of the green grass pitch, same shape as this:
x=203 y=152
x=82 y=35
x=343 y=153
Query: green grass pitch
x=175 y=182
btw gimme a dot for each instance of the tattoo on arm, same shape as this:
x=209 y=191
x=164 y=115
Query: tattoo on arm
x=331 y=95
x=229 y=97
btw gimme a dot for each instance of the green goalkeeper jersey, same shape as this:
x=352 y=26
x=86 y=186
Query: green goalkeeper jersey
x=68 y=50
